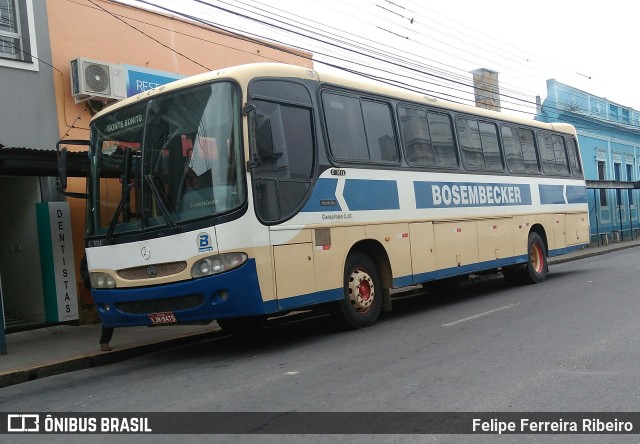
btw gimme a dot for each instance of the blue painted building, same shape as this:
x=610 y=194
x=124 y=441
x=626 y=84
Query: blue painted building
x=609 y=138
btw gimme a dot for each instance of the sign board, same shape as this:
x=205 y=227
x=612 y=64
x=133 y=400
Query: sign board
x=57 y=261
x=142 y=79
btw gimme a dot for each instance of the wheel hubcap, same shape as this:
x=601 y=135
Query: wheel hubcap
x=361 y=290
x=536 y=258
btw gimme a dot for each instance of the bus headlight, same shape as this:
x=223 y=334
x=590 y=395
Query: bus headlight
x=219 y=263
x=102 y=280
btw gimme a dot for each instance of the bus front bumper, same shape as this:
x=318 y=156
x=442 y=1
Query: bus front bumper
x=235 y=293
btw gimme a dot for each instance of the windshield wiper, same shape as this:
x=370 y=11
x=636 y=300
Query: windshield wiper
x=162 y=203
x=114 y=219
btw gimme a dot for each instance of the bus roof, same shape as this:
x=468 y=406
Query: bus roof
x=244 y=73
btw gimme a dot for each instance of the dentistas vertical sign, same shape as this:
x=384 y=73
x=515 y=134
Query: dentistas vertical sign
x=57 y=261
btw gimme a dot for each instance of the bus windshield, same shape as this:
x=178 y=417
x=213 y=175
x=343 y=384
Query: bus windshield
x=166 y=161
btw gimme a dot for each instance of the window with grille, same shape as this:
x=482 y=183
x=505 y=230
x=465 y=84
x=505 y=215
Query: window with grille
x=15 y=43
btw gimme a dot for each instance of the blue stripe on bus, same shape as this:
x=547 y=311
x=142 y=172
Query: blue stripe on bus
x=467 y=269
x=561 y=251
x=362 y=195
x=576 y=194
x=551 y=194
x=323 y=197
x=555 y=194
x=470 y=194
x=306 y=300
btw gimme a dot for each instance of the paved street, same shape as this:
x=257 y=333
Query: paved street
x=569 y=344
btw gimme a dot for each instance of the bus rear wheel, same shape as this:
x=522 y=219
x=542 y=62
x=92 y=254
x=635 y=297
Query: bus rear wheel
x=363 y=293
x=535 y=270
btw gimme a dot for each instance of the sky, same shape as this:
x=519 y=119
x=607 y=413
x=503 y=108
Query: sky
x=433 y=45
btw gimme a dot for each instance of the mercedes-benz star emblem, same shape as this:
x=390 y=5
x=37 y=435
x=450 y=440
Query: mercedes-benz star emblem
x=145 y=253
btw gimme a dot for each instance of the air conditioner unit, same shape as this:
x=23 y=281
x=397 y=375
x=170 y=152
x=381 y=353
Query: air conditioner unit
x=92 y=79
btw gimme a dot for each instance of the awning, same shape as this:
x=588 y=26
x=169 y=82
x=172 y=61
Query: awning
x=19 y=161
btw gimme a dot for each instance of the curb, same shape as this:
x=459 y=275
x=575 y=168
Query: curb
x=18 y=376
x=584 y=254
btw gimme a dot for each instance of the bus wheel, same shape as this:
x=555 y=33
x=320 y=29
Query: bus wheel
x=536 y=269
x=242 y=327
x=363 y=293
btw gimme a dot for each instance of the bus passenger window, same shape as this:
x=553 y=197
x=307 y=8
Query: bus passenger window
x=546 y=154
x=574 y=158
x=470 y=144
x=513 y=149
x=345 y=127
x=444 y=147
x=415 y=134
x=560 y=153
x=490 y=146
x=379 y=129
x=528 y=143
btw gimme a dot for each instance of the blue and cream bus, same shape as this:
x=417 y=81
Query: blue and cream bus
x=256 y=190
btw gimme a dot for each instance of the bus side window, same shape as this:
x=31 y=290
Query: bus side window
x=285 y=146
x=381 y=138
x=513 y=149
x=574 y=158
x=470 y=145
x=529 y=153
x=416 y=137
x=444 y=145
x=560 y=153
x=345 y=127
x=546 y=153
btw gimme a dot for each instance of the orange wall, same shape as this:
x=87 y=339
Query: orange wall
x=81 y=29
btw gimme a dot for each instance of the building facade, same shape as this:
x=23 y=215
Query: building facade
x=38 y=42
x=609 y=138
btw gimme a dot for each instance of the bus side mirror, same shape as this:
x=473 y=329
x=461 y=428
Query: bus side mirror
x=63 y=167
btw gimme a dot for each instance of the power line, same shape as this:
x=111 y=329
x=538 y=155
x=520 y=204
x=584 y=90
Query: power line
x=380 y=78
x=147 y=35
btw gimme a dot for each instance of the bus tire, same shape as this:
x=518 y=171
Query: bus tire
x=363 y=293
x=242 y=327
x=536 y=268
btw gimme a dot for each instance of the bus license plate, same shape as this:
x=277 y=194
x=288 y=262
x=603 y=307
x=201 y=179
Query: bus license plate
x=166 y=317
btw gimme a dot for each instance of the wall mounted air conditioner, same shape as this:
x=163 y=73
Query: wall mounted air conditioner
x=92 y=79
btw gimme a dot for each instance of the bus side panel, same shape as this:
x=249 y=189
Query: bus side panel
x=331 y=246
x=560 y=240
x=495 y=239
x=423 y=257
x=456 y=244
x=264 y=269
x=295 y=270
x=521 y=227
x=395 y=240
x=577 y=228
x=548 y=222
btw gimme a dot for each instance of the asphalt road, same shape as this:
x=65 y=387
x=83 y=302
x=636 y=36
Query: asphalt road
x=569 y=344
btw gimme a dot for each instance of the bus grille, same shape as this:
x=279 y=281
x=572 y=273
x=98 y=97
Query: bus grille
x=160 y=305
x=152 y=271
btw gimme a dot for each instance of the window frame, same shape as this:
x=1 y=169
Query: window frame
x=27 y=34
x=360 y=96
x=491 y=122
x=441 y=112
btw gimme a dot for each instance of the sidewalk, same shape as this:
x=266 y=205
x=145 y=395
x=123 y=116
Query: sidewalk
x=54 y=350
